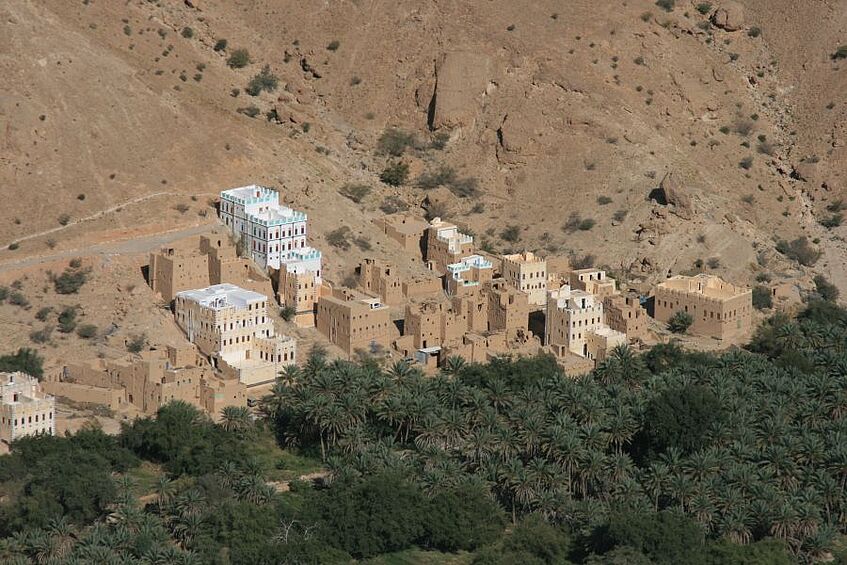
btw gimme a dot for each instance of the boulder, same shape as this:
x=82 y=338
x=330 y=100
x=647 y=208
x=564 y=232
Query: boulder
x=730 y=16
x=677 y=196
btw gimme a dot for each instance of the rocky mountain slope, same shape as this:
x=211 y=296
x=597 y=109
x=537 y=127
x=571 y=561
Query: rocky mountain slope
x=560 y=120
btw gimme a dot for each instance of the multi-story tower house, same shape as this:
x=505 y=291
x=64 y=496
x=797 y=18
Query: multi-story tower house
x=719 y=309
x=231 y=325
x=468 y=275
x=272 y=234
x=528 y=273
x=593 y=281
x=575 y=324
x=353 y=321
x=25 y=409
x=445 y=244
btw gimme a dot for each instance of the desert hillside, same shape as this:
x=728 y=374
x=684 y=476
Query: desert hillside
x=553 y=122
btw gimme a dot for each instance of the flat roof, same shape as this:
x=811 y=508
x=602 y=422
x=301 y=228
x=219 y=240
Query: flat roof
x=250 y=192
x=220 y=296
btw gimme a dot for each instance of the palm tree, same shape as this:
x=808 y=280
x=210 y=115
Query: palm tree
x=453 y=365
x=236 y=419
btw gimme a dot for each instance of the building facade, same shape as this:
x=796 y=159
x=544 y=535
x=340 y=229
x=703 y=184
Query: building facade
x=25 y=409
x=405 y=229
x=593 y=281
x=272 y=234
x=445 y=244
x=575 y=324
x=626 y=315
x=528 y=273
x=231 y=325
x=718 y=309
x=354 y=322
x=468 y=275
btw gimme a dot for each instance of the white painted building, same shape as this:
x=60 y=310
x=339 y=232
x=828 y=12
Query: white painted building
x=25 y=409
x=231 y=325
x=271 y=233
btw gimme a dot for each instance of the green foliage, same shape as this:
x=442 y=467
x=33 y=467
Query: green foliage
x=395 y=174
x=704 y=7
x=754 y=31
x=239 y=59
x=288 y=313
x=762 y=298
x=840 y=53
x=43 y=313
x=462 y=519
x=136 y=343
x=187 y=32
x=666 y=5
x=355 y=192
x=512 y=234
x=67 y=320
x=603 y=200
x=679 y=418
x=71 y=279
x=220 y=45
x=182 y=439
x=663 y=537
x=250 y=111
x=264 y=81
x=340 y=237
x=333 y=45
x=393 y=204
x=25 y=360
x=833 y=221
x=799 y=250
x=825 y=289
x=86 y=331
x=394 y=142
x=680 y=322
x=445 y=175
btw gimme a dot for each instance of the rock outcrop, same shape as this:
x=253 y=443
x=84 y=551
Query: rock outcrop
x=461 y=80
x=677 y=196
x=730 y=16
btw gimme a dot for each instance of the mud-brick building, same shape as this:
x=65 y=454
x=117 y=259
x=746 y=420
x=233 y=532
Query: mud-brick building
x=719 y=309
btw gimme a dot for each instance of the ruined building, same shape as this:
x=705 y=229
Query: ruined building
x=213 y=261
x=405 y=229
x=380 y=278
x=719 y=309
x=25 y=409
x=232 y=326
x=148 y=382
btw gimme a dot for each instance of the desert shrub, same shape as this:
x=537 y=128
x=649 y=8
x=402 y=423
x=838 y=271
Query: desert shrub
x=67 y=320
x=41 y=336
x=603 y=200
x=825 y=289
x=43 y=313
x=439 y=140
x=582 y=262
x=763 y=277
x=762 y=297
x=392 y=205
x=127 y=30
x=680 y=322
x=339 y=237
x=362 y=242
x=395 y=141
x=572 y=223
x=511 y=234
x=836 y=205
x=840 y=53
x=239 y=59
x=287 y=313
x=713 y=262
x=766 y=148
x=355 y=192
x=478 y=208
x=4 y=293
x=14 y=245
x=86 y=331
x=833 y=221
x=799 y=250
x=333 y=45
x=754 y=31
x=743 y=127
x=445 y=175
x=646 y=16
x=220 y=45
x=619 y=215
x=71 y=279
x=395 y=174
x=136 y=343
x=704 y=7
x=586 y=224
x=182 y=207
x=746 y=163
x=638 y=61
x=187 y=32
x=666 y=5
x=64 y=219
x=748 y=198
x=17 y=298
x=251 y=111
x=436 y=210
x=264 y=81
